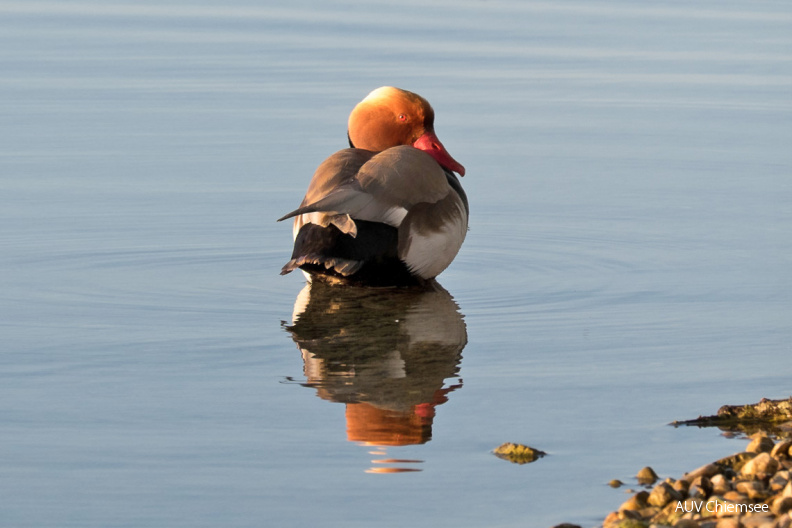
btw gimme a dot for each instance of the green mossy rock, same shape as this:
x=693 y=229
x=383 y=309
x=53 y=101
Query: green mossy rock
x=518 y=453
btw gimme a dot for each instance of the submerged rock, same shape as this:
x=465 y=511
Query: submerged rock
x=518 y=453
x=646 y=476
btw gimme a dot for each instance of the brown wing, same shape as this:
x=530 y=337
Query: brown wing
x=383 y=188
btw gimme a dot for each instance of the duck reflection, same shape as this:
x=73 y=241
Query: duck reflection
x=386 y=353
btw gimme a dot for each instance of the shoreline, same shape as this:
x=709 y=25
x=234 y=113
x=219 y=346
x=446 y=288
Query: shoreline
x=750 y=489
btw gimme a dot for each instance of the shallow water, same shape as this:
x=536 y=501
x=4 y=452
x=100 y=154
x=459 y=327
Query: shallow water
x=628 y=261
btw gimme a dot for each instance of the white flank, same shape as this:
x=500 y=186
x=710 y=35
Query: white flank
x=428 y=255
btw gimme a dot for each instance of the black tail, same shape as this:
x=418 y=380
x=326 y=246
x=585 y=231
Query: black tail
x=369 y=258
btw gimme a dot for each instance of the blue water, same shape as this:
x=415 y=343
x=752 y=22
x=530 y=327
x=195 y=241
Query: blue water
x=628 y=263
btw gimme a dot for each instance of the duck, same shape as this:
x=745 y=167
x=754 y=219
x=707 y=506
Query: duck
x=390 y=209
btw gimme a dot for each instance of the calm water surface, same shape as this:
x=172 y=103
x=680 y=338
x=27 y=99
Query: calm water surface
x=628 y=262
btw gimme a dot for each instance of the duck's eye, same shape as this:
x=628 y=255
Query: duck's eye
x=402 y=117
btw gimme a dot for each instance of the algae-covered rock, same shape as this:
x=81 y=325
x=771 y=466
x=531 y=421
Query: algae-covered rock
x=518 y=453
x=769 y=416
x=764 y=411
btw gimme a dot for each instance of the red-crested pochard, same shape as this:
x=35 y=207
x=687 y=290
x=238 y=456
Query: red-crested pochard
x=389 y=210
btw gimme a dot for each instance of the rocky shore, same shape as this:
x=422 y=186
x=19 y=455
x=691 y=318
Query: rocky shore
x=751 y=489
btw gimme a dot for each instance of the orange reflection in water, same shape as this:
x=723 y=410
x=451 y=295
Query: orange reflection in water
x=373 y=425
x=391 y=470
x=387 y=355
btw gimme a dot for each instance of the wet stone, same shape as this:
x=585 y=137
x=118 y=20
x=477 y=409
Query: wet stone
x=518 y=453
x=647 y=475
